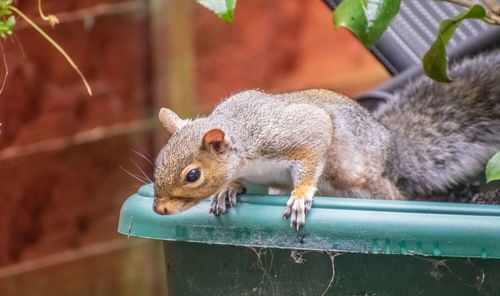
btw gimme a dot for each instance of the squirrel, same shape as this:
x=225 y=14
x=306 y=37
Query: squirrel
x=428 y=139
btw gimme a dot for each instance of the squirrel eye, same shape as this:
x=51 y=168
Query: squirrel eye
x=193 y=175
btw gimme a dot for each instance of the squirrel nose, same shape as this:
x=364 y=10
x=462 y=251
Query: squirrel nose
x=159 y=207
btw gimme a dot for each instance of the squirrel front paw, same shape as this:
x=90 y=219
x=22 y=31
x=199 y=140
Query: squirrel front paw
x=296 y=209
x=227 y=195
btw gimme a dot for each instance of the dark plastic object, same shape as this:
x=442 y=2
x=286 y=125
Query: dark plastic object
x=411 y=34
x=414 y=28
x=247 y=251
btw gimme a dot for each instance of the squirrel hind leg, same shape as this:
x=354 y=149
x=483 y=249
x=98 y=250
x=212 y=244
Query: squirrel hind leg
x=385 y=189
x=376 y=188
x=379 y=188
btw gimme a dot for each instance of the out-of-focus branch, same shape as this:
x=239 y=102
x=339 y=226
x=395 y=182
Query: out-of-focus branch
x=51 y=19
x=465 y=3
x=96 y=134
x=491 y=6
x=92 y=12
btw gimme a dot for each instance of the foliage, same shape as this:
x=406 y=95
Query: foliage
x=7 y=20
x=435 y=61
x=222 y=8
x=493 y=168
x=367 y=19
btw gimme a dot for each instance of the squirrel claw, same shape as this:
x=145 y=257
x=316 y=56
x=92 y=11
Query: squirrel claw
x=286 y=214
x=219 y=200
x=218 y=205
x=231 y=197
x=307 y=205
x=296 y=210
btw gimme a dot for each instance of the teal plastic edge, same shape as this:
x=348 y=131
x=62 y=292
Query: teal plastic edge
x=333 y=224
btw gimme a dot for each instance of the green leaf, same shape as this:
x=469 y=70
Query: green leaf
x=435 y=62
x=5 y=11
x=5 y=3
x=493 y=168
x=11 y=21
x=223 y=8
x=6 y=26
x=367 y=19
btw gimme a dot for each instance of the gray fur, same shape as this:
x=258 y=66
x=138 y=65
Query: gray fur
x=427 y=140
x=254 y=123
x=443 y=134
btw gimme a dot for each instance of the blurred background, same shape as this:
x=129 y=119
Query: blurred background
x=68 y=160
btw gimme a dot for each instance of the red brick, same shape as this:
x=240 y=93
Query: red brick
x=44 y=97
x=58 y=200
x=279 y=46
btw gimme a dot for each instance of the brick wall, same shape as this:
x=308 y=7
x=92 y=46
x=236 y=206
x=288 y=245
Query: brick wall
x=279 y=46
x=61 y=151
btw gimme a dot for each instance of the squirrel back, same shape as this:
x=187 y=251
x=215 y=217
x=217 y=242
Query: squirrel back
x=443 y=134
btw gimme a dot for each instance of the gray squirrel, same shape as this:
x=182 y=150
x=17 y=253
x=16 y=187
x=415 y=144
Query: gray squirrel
x=427 y=140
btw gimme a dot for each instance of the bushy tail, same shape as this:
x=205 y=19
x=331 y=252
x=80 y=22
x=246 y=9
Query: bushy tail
x=444 y=134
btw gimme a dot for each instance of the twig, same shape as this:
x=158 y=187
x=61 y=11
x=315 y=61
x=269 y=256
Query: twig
x=92 y=12
x=51 y=19
x=492 y=9
x=465 y=3
x=57 y=46
x=495 y=18
x=93 y=135
x=5 y=66
x=493 y=6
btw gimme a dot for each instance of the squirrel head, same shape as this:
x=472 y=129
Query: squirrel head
x=191 y=166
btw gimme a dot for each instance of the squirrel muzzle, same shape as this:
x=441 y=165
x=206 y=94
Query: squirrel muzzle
x=171 y=205
x=160 y=206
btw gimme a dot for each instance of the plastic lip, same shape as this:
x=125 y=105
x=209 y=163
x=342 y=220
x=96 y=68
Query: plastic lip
x=334 y=224
x=326 y=202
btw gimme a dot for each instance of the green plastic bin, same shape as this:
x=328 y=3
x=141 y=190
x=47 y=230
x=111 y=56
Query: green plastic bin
x=347 y=247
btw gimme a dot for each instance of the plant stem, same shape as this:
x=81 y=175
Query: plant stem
x=492 y=5
x=6 y=68
x=492 y=17
x=55 y=44
x=465 y=3
x=51 y=19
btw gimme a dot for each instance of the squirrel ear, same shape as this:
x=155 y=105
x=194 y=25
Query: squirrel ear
x=214 y=140
x=171 y=121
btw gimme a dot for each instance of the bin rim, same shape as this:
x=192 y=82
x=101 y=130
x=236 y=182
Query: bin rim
x=333 y=224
